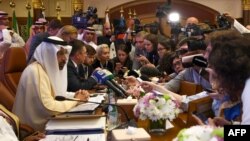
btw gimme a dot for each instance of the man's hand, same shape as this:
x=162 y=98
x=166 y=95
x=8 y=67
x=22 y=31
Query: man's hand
x=216 y=95
x=131 y=81
x=82 y=95
x=142 y=59
x=35 y=137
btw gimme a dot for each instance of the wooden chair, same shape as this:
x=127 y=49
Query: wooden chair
x=189 y=88
x=7 y=99
x=12 y=66
x=202 y=105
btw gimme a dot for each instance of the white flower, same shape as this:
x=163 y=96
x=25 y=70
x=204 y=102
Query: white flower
x=156 y=107
x=199 y=133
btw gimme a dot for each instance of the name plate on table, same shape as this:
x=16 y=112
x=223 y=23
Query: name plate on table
x=127 y=101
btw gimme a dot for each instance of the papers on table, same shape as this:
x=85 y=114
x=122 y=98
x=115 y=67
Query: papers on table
x=186 y=100
x=89 y=137
x=88 y=106
x=130 y=134
x=76 y=126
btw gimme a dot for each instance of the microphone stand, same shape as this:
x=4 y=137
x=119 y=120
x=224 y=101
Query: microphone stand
x=130 y=122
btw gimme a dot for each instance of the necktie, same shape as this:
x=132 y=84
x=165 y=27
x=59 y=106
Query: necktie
x=77 y=70
x=85 y=72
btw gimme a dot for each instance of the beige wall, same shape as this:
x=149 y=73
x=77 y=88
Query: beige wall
x=50 y=6
x=231 y=6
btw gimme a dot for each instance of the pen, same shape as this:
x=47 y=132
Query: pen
x=75 y=138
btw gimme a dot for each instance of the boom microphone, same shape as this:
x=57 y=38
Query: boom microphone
x=106 y=77
x=130 y=122
x=116 y=88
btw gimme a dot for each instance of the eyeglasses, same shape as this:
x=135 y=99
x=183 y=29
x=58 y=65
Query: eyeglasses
x=177 y=63
x=160 y=49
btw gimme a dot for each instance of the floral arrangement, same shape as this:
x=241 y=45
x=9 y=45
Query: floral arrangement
x=201 y=133
x=156 y=107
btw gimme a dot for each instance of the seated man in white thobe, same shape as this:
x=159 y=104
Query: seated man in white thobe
x=42 y=81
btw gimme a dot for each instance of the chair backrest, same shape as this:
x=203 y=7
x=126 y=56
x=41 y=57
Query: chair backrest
x=12 y=65
x=202 y=105
x=189 y=88
x=6 y=97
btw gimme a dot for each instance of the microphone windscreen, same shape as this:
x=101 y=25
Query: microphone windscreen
x=60 y=98
x=102 y=75
x=144 y=78
x=133 y=73
x=200 y=61
x=150 y=71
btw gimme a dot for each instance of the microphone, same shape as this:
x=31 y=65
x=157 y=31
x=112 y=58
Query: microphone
x=187 y=61
x=130 y=122
x=116 y=88
x=200 y=61
x=133 y=73
x=106 y=77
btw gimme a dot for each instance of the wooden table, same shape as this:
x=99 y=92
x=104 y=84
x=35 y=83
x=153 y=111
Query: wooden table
x=170 y=133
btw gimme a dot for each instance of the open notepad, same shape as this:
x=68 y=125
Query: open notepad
x=76 y=126
x=88 y=107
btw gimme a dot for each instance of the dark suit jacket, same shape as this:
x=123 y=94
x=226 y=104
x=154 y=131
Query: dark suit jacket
x=76 y=82
x=82 y=72
x=109 y=65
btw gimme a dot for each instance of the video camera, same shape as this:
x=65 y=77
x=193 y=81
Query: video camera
x=195 y=37
x=138 y=27
x=192 y=30
x=222 y=21
x=80 y=19
x=91 y=12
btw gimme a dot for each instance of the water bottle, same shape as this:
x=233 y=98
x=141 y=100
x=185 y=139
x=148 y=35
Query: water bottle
x=113 y=119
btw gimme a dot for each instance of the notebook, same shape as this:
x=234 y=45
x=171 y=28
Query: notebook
x=76 y=126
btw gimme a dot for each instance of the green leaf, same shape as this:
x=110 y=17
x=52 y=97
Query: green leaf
x=218 y=132
x=166 y=97
x=181 y=136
